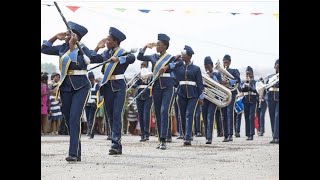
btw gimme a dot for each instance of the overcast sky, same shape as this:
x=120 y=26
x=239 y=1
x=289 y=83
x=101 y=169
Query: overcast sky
x=249 y=39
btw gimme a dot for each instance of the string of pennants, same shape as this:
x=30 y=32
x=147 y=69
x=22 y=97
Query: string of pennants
x=75 y=8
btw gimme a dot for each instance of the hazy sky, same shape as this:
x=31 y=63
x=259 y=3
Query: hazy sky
x=248 y=39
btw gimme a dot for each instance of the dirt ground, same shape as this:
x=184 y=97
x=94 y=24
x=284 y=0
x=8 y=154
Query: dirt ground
x=239 y=159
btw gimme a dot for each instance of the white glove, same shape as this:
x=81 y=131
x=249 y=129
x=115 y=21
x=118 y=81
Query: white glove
x=86 y=59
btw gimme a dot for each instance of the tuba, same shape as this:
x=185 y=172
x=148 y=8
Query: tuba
x=215 y=92
x=226 y=76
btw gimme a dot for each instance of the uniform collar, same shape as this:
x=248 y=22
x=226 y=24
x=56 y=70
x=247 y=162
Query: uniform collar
x=191 y=63
x=114 y=50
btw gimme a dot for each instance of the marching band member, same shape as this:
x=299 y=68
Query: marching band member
x=162 y=88
x=197 y=130
x=262 y=107
x=74 y=85
x=228 y=111
x=113 y=85
x=238 y=117
x=91 y=106
x=190 y=91
x=273 y=105
x=144 y=103
x=218 y=117
x=208 y=108
x=180 y=129
x=249 y=100
x=170 y=126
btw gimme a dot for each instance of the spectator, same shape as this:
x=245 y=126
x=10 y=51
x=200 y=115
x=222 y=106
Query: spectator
x=55 y=111
x=44 y=102
x=132 y=114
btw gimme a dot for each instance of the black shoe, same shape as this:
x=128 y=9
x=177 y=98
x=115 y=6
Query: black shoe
x=114 y=151
x=180 y=137
x=225 y=140
x=72 y=158
x=220 y=135
x=198 y=135
x=143 y=139
x=187 y=143
x=251 y=138
x=109 y=138
x=147 y=138
x=273 y=141
x=169 y=140
x=162 y=146
x=230 y=138
x=276 y=141
x=78 y=158
x=237 y=134
x=209 y=141
x=91 y=136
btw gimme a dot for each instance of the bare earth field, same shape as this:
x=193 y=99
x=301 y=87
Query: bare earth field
x=239 y=159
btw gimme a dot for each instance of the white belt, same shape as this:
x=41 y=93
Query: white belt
x=115 y=77
x=249 y=93
x=192 y=83
x=273 y=89
x=165 y=75
x=144 y=86
x=77 y=72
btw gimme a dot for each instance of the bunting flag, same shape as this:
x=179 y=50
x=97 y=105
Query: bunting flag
x=234 y=13
x=146 y=11
x=120 y=9
x=188 y=11
x=73 y=8
x=256 y=13
x=169 y=10
x=276 y=15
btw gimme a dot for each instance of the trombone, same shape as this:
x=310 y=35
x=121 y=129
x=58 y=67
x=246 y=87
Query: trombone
x=144 y=75
x=133 y=81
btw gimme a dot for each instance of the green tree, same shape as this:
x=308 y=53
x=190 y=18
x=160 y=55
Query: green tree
x=48 y=67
